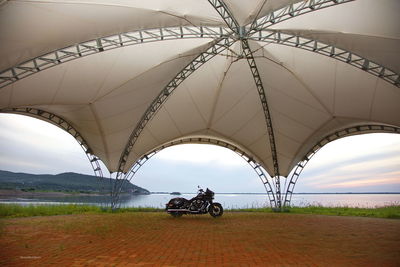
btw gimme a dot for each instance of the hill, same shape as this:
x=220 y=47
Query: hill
x=64 y=182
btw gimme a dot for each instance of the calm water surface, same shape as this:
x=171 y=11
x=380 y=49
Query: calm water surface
x=227 y=200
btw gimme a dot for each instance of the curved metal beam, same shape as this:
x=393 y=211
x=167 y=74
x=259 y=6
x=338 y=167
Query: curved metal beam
x=291 y=11
x=102 y=44
x=315 y=46
x=120 y=181
x=216 y=48
x=261 y=92
x=66 y=126
x=201 y=140
x=327 y=139
x=226 y=14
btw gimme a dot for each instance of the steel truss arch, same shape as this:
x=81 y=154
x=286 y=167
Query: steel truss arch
x=216 y=48
x=198 y=140
x=66 y=126
x=225 y=14
x=66 y=54
x=291 y=11
x=263 y=98
x=343 y=55
x=369 y=128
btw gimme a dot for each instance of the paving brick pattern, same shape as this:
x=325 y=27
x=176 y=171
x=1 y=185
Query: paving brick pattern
x=236 y=239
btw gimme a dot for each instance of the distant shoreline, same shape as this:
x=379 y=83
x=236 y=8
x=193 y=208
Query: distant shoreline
x=12 y=193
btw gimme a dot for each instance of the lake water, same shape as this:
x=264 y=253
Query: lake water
x=227 y=200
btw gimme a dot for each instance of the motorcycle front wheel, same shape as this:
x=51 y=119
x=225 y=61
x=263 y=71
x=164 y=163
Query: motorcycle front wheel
x=216 y=210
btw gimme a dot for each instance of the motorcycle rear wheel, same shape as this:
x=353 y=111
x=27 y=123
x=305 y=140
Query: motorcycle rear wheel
x=216 y=210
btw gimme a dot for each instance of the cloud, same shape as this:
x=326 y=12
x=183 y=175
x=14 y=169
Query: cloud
x=385 y=163
x=358 y=169
x=34 y=134
x=31 y=145
x=383 y=179
x=11 y=163
x=348 y=154
x=161 y=175
x=368 y=162
x=201 y=154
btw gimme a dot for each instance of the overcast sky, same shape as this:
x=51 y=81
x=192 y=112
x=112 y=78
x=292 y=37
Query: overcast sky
x=362 y=163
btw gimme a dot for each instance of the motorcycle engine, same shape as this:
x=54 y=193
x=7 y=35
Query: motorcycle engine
x=196 y=204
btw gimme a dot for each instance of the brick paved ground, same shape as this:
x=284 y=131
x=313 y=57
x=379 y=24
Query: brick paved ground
x=236 y=239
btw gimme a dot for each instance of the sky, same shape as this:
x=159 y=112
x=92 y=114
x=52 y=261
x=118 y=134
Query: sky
x=364 y=163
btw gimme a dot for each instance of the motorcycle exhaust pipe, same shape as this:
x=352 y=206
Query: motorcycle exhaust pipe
x=182 y=210
x=175 y=210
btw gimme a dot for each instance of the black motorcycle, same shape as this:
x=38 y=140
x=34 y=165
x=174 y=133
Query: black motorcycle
x=201 y=204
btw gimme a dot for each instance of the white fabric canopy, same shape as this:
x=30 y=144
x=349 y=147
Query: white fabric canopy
x=104 y=95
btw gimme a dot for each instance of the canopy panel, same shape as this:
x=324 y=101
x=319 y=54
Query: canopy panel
x=255 y=9
x=32 y=28
x=187 y=80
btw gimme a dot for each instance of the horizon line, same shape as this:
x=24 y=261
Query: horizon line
x=325 y=193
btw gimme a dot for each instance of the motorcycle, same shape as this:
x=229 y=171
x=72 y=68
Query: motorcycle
x=200 y=204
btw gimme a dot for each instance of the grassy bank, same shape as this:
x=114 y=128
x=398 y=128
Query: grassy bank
x=15 y=210
x=390 y=212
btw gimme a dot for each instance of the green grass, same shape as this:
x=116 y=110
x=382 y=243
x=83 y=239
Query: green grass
x=268 y=210
x=391 y=212
x=137 y=209
x=15 y=210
